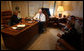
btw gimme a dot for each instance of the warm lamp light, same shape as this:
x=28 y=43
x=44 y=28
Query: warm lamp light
x=65 y=13
x=60 y=9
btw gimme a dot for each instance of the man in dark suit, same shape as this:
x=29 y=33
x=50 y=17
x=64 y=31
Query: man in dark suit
x=71 y=36
x=14 y=19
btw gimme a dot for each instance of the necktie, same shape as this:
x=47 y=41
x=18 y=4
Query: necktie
x=39 y=16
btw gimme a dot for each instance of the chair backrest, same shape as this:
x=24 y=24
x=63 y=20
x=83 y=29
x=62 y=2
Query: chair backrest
x=47 y=16
x=47 y=11
x=5 y=17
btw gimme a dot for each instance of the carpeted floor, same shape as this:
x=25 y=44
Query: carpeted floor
x=46 y=41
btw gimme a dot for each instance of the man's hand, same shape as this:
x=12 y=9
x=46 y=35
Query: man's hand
x=62 y=29
x=59 y=35
x=37 y=19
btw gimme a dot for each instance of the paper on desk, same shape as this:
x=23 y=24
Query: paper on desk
x=21 y=25
x=14 y=27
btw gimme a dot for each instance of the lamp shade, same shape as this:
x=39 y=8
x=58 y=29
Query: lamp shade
x=60 y=9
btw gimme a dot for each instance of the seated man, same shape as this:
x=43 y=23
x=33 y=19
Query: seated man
x=79 y=26
x=76 y=24
x=62 y=22
x=72 y=21
x=40 y=17
x=72 y=37
x=14 y=19
x=64 y=19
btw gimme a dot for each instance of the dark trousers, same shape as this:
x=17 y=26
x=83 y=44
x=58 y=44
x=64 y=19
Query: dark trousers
x=41 y=27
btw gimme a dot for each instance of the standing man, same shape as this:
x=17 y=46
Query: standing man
x=40 y=17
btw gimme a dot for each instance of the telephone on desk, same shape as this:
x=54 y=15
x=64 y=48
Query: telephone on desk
x=29 y=20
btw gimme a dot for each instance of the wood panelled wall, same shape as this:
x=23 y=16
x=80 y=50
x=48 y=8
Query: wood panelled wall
x=30 y=8
x=6 y=5
x=71 y=7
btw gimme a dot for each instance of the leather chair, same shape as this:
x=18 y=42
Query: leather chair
x=65 y=44
x=5 y=18
x=47 y=17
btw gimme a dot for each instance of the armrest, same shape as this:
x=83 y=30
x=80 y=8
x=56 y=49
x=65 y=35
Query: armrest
x=58 y=47
x=68 y=46
x=6 y=26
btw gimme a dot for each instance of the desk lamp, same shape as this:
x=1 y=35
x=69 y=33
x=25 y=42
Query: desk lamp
x=60 y=9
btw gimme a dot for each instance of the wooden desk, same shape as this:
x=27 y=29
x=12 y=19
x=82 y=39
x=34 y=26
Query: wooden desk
x=18 y=39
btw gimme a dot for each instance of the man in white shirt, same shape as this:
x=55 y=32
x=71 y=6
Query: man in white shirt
x=78 y=26
x=40 y=17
